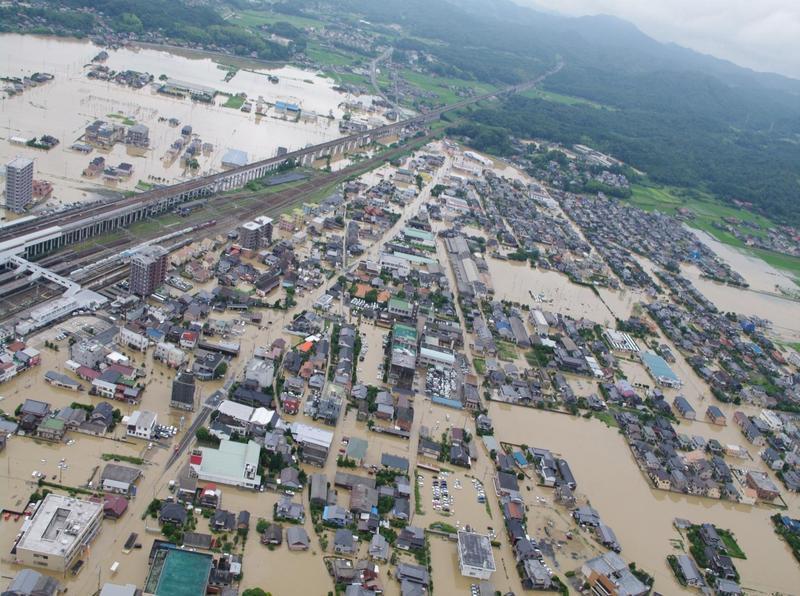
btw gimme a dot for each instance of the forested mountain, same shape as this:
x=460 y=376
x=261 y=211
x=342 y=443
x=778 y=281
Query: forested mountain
x=685 y=118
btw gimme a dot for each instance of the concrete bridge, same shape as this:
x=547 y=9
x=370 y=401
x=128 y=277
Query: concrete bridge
x=33 y=238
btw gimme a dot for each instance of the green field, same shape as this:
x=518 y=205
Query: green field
x=234 y=102
x=708 y=211
x=154 y=225
x=731 y=546
x=256 y=18
x=123 y=119
x=442 y=86
x=506 y=351
x=568 y=100
x=347 y=78
x=329 y=57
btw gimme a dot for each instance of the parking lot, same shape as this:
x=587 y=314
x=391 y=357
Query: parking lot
x=441 y=498
x=442 y=383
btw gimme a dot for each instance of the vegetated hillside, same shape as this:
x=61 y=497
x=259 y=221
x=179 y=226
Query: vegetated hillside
x=685 y=118
x=466 y=45
x=178 y=20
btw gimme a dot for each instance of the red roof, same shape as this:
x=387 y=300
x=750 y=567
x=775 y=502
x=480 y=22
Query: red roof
x=196 y=459
x=16 y=346
x=515 y=510
x=87 y=373
x=305 y=346
x=189 y=335
x=115 y=504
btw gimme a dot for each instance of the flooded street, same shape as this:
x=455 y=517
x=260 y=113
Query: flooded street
x=65 y=106
x=642 y=517
x=606 y=473
x=516 y=281
x=784 y=313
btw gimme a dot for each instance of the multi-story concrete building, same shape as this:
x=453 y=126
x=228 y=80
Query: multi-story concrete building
x=183 y=391
x=105 y=134
x=138 y=135
x=316 y=442
x=231 y=463
x=19 y=184
x=148 y=270
x=169 y=354
x=141 y=424
x=475 y=558
x=59 y=532
x=256 y=234
x=88 y=352
x=132 y=338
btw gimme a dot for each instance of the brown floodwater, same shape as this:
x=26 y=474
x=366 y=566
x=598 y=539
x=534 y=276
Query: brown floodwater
x=759 y=274
x=516 y=281
x=64 y=106
x=641 y=516
x=783 y=313
x=605 y=470
x=83 y=457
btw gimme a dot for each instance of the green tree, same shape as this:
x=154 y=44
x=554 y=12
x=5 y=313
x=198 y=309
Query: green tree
x=221 y=370
x=128 y=23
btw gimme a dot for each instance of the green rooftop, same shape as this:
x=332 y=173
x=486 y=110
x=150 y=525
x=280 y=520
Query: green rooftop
x=52 y=424
x=418 y=234
x=399 y=303
x=178 y=573
x=357 y=448
x=413 y=258
x=404 y=332
x=230 y=459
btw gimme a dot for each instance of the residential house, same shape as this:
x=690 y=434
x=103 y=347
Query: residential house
x=297 y=538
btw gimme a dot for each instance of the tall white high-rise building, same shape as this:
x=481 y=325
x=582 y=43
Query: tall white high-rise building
x=19 y=184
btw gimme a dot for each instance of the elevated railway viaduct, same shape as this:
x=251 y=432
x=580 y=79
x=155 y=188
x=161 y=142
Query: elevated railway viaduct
x=33 y=238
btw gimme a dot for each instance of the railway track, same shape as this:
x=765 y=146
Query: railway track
x=65 y=218
x=273 y=204
x=244 y=208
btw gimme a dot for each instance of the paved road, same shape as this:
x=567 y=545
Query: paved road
x=373 y=75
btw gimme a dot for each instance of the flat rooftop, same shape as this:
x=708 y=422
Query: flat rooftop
x=58 y=524
x=658 y=367
x=19 y=163
x=304 y=433
x=231 y=459
x=235 y=157
x=475 y=550
x=178 y=573
x=357 y=448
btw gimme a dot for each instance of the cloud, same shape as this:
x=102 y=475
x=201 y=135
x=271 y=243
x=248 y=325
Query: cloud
x=759 y=34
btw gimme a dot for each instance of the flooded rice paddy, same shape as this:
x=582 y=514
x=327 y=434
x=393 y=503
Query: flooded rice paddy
x=65 y=106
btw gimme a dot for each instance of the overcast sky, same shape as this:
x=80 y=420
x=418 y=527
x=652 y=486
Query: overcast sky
x=760 y=34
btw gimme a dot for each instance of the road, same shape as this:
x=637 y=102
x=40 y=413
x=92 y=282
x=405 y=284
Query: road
x=373 y=75
x=153 y=197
